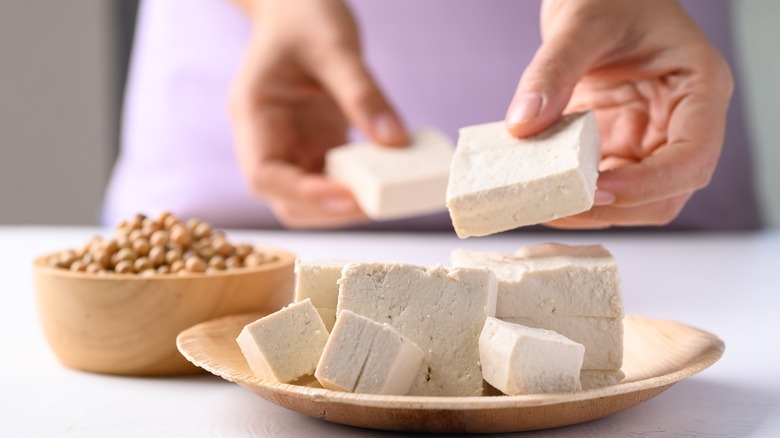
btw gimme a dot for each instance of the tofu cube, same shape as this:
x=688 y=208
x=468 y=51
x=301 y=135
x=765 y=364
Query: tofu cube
x=551 y=279
x=392 y=183
x=522 y=360
x=441 y=310
x=317 y=280
x=366 y=357
x=602 y=337
x=499 y=182
x=284 y=345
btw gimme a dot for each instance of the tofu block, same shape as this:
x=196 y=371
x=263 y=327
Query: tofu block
x=317 y=280
x=551 y=279
x=392 y=183
x=441 y=310
x=594 y=379
x=284 y=345
x=366 y=357
x=521 y=360
x=499 y=182
x=602 y=337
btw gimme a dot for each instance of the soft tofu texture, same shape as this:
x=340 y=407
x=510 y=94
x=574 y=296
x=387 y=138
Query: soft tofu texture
x=284 y=345
x=499 y=182
x=521 y=360
x=441 y=310
x=593 y=379
x=364 y=356
x=317 y=280
x=602 y=337
x=551 y=279
x=392 y=183
x=572 y=290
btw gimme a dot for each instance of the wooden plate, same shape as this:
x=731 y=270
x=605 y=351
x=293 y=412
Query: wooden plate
x=657 y=354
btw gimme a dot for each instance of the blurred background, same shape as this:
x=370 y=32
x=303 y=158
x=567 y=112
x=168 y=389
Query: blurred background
x=62 y=73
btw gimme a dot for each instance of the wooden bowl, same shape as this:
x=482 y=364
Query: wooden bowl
x=657 y=354
x=127 y=324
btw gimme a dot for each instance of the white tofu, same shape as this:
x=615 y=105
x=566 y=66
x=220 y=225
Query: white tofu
x=593 y=379
x=366 y=357
x=317 y=280
x=551 y=279
x=440 y=310
x=499 y=182
x=521 y=360
x=602 y=337
x=392 y=183
x=284 y=345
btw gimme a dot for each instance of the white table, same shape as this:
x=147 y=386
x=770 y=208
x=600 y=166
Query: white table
x=728 y=284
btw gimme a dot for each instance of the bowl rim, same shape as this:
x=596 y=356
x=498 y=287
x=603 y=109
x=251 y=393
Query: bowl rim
x=285 y=258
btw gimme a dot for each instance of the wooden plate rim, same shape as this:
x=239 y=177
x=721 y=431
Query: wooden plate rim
x=191 y=337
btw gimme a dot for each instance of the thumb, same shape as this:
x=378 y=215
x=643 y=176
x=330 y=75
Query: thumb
x=350 y=83
x=547 y=83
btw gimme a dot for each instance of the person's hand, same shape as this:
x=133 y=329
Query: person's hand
x=660 y=92
x=301 y=84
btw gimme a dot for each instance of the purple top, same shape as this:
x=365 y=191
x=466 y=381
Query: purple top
x=443 y=63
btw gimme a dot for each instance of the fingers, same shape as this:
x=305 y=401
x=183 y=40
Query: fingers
x=302 y=200
x=653 y=213
x=547 y=83
x=299 y=199
x=346 y=77
x=685 y=164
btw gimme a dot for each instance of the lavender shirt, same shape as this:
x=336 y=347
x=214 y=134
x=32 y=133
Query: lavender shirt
x=444 y=63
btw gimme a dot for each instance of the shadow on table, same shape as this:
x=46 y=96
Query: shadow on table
x=698 y=407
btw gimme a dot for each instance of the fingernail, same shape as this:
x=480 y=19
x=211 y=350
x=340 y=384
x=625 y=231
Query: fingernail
x=340 y=206
x=524 y=108
x=603 y=198
x=388 y=129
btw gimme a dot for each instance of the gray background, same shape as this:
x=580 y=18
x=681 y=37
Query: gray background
x=62 y=66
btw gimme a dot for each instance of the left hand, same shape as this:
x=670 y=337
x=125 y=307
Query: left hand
x=301 y=84
x=660 y=92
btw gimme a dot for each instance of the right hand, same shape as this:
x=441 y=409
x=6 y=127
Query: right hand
x=301 y=84
x=660 y=92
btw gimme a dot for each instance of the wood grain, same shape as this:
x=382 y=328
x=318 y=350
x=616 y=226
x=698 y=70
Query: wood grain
x=127 y=324
x=657 y=354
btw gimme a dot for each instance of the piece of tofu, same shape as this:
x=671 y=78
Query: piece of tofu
x=366 y=357
x=522 y=360
x=593 y=379
x=393 y=182
x=441 y=310
x=317 y=280
x=602 y=337
x=551 y=279
x=499 y=182
x=284 y=345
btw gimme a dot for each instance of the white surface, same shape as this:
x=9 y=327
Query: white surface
x=724 y=283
